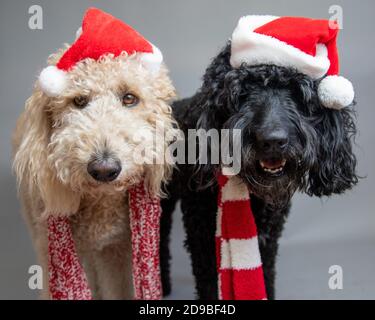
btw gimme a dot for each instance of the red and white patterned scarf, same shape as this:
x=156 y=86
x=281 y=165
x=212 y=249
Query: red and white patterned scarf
x=239 y=265
x=67 y=279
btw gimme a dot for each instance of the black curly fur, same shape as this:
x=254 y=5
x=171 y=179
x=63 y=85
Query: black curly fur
x=257 y=99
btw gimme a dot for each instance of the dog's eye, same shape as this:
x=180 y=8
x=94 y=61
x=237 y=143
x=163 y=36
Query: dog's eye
x=81 y=101
x=129 y=100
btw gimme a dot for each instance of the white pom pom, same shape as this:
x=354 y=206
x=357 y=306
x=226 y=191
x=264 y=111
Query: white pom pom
x=52 y=81
x=152 y=61
x=335 y=92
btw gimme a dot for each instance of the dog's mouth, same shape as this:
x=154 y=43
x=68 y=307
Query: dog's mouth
x=273 y=167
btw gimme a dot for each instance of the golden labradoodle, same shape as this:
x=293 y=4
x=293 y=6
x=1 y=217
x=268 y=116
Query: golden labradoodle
x=74 y=155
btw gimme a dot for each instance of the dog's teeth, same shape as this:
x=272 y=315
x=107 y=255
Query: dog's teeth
x=273 y=170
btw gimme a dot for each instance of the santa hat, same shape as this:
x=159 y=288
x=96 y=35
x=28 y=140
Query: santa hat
x=100 y=34
x=308 y=45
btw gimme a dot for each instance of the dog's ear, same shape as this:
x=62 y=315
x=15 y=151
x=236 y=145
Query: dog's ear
x=211 y=100
x=208 y=109
x=163 y=87
x=30 y=164
x=335 y=167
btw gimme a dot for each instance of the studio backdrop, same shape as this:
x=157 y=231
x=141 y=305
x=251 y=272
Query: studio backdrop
x=323 y=237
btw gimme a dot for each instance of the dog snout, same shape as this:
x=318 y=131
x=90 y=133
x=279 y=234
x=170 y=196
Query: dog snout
x=272 y=140
x=104 y=170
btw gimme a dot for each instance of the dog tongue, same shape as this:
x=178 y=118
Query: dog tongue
x=273 y=163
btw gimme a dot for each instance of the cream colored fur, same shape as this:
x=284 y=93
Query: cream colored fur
x=53 y=142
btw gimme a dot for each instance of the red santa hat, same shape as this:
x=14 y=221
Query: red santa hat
x=308 y=45
x=100 y=34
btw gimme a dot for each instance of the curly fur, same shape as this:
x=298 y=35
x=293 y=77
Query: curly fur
x=258 y=100
x=53 y=143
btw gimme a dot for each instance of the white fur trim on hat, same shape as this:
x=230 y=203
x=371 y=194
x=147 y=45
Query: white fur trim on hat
x=152 y=61
x=52 y=81
x=335 y=92
x=254 y=48
x=253 y=22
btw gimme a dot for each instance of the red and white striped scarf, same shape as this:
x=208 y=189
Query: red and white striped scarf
x=67 y=279
x=239 y=265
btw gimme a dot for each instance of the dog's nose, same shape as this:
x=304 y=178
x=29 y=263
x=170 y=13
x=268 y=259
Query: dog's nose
x=272 y=141
x=104 y=170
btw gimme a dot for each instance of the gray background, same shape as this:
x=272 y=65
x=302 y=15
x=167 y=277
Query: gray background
x=319 y=233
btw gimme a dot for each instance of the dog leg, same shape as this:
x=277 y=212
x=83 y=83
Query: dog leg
x=91 y=273
x=39 y=236
x=114 y=272
x=269 y=253
x=168 y=206
x=270 y=224
x=199 y=215
x=40 y=241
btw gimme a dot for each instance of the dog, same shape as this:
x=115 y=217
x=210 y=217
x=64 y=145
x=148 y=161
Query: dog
x=73 y=156
x=290 y=143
